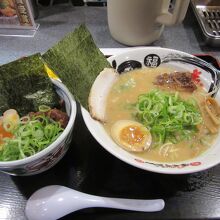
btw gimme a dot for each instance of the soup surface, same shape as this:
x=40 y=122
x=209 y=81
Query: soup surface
x=120 y=106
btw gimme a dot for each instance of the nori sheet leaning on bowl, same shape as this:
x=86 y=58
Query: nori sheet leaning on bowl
x=24 y=86
x=77 y=61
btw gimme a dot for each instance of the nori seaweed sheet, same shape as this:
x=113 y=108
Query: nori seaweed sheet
x=24 y=86
x=77 y=61
x=3 y=98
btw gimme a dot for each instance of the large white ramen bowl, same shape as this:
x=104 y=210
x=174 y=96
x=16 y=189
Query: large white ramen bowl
x=153 y=57
x=52 y=154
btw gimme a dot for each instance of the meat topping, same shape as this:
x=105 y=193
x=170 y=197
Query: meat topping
x=55 y=114
x=181 y=81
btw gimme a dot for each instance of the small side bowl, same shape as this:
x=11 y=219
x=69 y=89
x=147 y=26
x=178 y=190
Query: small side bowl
x=153 y=57
x=51 y=155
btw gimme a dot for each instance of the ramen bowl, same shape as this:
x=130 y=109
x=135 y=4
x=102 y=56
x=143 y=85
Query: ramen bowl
x=52 y=154
x=153 y=57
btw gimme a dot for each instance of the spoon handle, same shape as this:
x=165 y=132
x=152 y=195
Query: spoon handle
x=131 y=204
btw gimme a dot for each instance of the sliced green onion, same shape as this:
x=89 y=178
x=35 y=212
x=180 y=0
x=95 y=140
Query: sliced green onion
x=30 y=138
x=8 y=126
x=25 y=119
x=44 y=108
x=169 y=118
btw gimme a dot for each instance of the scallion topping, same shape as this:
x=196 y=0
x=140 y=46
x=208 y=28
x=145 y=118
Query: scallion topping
x=31 y=136
x=169 y=118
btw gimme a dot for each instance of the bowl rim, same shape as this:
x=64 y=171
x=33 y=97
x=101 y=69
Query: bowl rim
x=87 y=119
x=53 y=145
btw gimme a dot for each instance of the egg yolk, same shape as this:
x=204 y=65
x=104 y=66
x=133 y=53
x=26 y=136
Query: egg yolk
x=133 y=135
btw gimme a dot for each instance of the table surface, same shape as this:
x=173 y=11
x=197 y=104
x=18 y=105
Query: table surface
x=87 y=167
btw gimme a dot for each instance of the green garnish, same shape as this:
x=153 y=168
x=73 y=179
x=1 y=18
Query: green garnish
x=31 y=136
x=44 y=108
x=130 y=83
x=169 y=118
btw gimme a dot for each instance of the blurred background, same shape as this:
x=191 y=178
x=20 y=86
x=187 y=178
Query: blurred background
x=74 y=2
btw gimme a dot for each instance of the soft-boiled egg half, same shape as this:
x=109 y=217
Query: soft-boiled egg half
x=131 y=135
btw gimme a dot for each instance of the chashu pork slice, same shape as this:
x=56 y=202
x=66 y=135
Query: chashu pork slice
x=99 y=92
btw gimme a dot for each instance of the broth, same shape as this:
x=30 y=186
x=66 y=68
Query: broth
x=125 y=92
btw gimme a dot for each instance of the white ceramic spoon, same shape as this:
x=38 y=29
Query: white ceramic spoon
x=53 y=202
